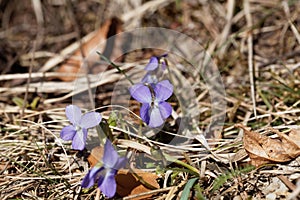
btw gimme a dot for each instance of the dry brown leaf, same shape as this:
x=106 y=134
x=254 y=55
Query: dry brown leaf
x=294 y=135
x=88 y=49
x=263 y=149
x=96 y=155
x=290 y=142
x=128 y=184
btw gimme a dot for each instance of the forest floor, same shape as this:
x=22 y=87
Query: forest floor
x=234 y=132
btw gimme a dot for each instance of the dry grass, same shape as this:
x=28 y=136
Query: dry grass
x=254 y=43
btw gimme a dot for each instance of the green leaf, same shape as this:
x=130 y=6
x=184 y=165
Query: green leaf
x=199 y=192
x=34 y=103
x=112 y=120
x=150 y=165
x=18 y=101
x=105 y=130
x=187 y=189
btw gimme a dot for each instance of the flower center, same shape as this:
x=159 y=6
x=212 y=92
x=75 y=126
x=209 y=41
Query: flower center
x=77 y=128
x=154 y=103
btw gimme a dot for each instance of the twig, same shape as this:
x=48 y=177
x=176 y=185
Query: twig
x=57 y=139
x=55 y=60
x=141 y=10
x=37 y=6
x=227 y=28
x=293 y=27
x=250 y=53
x=148 y=193
x=98 y=194
x=85 y=64
x=113 y=77
x=28 y=80
x=296 y=191
x=287 y=182
x=6 y=77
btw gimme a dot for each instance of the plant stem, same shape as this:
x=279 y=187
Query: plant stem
x=115 y=66
x=172 y=159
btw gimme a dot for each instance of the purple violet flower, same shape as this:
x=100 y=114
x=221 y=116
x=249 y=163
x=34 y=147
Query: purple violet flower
x=155 y=69
x=155 y=61
x=105 y=173
x=153 y=64
x=154 y=109
x=77 y=132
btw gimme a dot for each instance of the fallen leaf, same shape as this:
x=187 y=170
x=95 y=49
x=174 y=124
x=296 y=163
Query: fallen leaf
x=290 y=142
x=294 y=135
x=88 y=49
x=95 y=41
x=128 y=184
x=262 y=149
x=96 y=155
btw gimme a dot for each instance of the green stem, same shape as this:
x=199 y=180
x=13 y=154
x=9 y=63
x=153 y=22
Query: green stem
x=148 y=185
x=115 y=66
x=172 y=159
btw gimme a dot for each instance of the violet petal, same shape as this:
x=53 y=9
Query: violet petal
x=79 y=139
x=90 y=178
x=73 y=114
x=144 y=112
x=110 y=155
x=101 y=176
x=165 y=109
x=141 y=93
x=155 y=118
x=163 y=65
x=121 y=163
x=152 y=65
x=89 y=120
x=108 y=186
x=68 y=132
x=163 y=90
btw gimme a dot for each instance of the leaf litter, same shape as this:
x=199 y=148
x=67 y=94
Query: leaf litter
x=34 y=163
x=263 y=149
